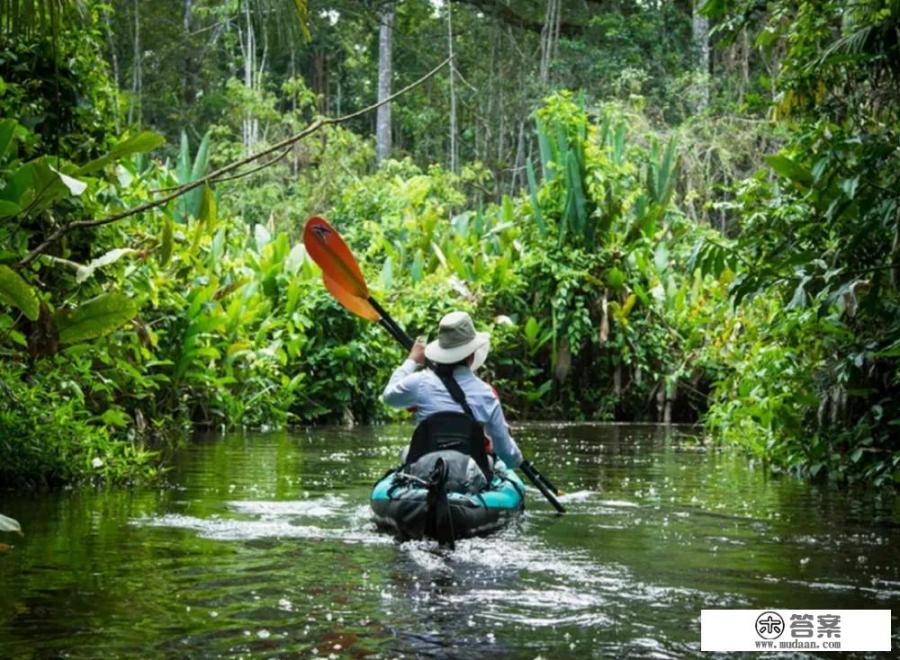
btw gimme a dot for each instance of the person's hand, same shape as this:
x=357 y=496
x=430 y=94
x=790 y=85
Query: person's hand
x=417 y=352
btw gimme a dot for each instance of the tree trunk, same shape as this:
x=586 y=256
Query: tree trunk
x=187 y=93
x=249 y=124
x=516 y=182
x=745 y=64
x=114 y=61
x=549 y=38
x=700 y=31
x=134 y=106
x=454 y=148
x=385 y=70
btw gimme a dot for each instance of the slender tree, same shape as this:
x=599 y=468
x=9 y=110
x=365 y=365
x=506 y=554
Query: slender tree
x=385 y=72
x=454 y=148
x=700 y=32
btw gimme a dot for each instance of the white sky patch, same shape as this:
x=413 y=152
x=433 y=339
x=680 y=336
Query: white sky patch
x=436 y=6
x=331 y=15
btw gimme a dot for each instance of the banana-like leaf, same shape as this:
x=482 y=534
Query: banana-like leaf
x=95 y=318
x=579 y=201
x=14 y=291
x=546 y=152
x=194 y=199
x=535 y=205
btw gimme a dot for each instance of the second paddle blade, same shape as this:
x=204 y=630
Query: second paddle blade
x=359 y=306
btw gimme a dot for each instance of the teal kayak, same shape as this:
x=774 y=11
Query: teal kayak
x=404 y=505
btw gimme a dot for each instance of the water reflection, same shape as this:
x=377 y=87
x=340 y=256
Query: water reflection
x=263 y=544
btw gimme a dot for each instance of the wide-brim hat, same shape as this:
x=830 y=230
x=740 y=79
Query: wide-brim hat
x=456 y=340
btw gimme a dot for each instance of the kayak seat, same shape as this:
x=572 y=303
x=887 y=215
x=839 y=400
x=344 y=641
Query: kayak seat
x=450 y=431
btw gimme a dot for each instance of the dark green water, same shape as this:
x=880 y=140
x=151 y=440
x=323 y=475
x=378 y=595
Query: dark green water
x=262 y=545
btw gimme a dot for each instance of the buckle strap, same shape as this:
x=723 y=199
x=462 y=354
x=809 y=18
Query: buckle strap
x=456 y=392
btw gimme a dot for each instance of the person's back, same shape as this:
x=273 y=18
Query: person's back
x=455 y=351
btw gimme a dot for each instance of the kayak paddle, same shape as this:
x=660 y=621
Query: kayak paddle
x=345 y=281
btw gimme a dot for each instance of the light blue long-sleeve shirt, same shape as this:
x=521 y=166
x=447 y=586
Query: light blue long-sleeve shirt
x=423 y=390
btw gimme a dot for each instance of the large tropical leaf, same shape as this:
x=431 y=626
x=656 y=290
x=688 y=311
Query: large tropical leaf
x=95 y=318
x=140 y=143
x=16 y=292
x=8 y=524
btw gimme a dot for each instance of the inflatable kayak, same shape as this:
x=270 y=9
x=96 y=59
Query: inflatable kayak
x=447 y=487
x=401 y=506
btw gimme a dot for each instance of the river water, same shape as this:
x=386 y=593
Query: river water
x=262 y=545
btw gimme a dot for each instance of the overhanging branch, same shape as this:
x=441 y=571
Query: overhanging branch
x=220 y=174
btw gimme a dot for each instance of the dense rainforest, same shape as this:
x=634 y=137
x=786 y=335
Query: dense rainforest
x=664 y=211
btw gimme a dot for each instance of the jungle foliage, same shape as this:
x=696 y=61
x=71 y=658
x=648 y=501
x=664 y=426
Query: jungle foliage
x=635 y=256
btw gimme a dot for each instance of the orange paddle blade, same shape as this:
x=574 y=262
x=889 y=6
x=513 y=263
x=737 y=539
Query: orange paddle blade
x=328 y=250
x=359 y=306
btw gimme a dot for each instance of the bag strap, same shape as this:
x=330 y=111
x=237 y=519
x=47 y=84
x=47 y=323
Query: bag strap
x=456 y=392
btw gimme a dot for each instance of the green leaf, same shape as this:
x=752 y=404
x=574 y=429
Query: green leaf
x=208 y=213
x=261 y=236
x=74 y=186
x=545 y=150
x=168 y=241
x=85 y=272
x=641 y=294
x=115 y=417
x=7 y=130
x=14 y=291
x=418 y=267
x=7 y=524
x=615 y=278
x=95 y=318
x=661 y=257
x=506 y=209
x=387 y=273
x=536 y=207
x=195 y=198
x=38 y=184
x=140 y=143
x=790 y=169
x=8 y=208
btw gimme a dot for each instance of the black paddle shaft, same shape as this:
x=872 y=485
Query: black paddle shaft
x=391 y=326
x=540 y=481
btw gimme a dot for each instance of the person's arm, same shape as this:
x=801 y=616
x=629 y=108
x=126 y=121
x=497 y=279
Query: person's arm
x=498 y=431
x=402 y=390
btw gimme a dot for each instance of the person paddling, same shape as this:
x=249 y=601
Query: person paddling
x=457 y=352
